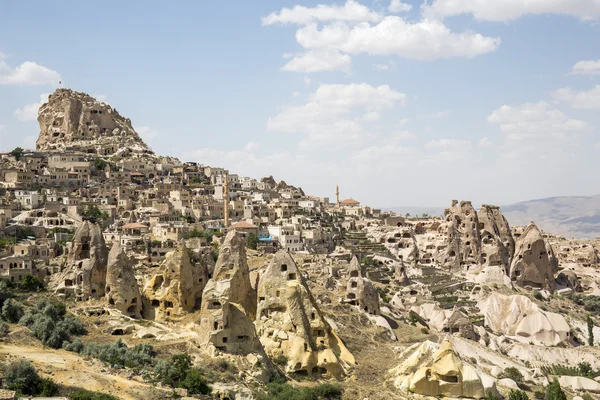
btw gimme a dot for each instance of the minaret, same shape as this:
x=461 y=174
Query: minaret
x=226 y=200
x=337 y=195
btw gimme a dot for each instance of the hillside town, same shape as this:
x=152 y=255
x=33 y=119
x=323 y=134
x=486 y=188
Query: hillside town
x=271 y=284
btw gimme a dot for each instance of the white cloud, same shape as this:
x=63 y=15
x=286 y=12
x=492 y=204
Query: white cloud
x=586 y=68
x=1 y=126
x=485 y=142
x=397 y=6
x=402 y=122
x=507 y=10
x=352 y=11
x=147 y=133
x=333 y=113
x=296 y=94
x=585 y=99
x=318 y=61
x=372 y=116
x=538 y=121
x=381 y=67
x=28 y=73
x=307 y=81
x=448 y=144
x=30 y=111
x=437 y=115
x=424 y=40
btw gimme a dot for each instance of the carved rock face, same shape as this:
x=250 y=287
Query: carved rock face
x=85 y=271
x=289 y=323
x=532 y=265
x=177 y=288
x=229 y=302
x=122 y=291
x=73 y=120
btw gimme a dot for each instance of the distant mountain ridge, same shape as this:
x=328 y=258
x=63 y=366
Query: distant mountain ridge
x=568 y=216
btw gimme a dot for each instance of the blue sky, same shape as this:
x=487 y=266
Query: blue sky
x=400 y=103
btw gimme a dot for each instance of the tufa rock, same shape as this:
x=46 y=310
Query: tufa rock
x=228 y=305
x=531 y=264
x=497 y=243
x=290 y=324
x=76 y=121
x=122 y=291
x=461 y=230
x=85 y=271
x=177 y=288
x=360 y=291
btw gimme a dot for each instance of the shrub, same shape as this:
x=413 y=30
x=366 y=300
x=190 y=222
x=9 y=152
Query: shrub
x=585 y=369
x=587 y=396
x=76 y=346
x=284 y=391
x=48 y=323
x=281 y=360
x=31 y=283
x=121 y=356
x=17 y=153
x=252 y=241
x=517 y=395
x=537 y=295
x=12 y=311
x=22 y=377
x=5 y=291
x=195 y=383
x=173 y=372
x=555 y=392
x=3 y=329
x=82 y=394
x=513 y=373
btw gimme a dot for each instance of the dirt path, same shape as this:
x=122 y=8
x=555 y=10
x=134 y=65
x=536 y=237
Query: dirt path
x=70 y=369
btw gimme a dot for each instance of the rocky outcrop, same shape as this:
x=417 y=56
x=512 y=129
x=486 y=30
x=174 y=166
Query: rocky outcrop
x=85 y=272
x=448 y=321
x=445 y=375
x=229 y=303
x=122 y=291
x=360 y=291
x=497 y=243
x=532 y=265
x=290 y=324
x=518 y=317
x=461 y=230
x=400 y=241
x=177 y=288
x=76 y=121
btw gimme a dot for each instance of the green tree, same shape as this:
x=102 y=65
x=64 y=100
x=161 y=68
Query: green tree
x=22 y=377
x=17 y=153
x=31 y=283
x=12 y=311
x=99 y=164
x=195 y=383
x=555 y=392
x=5 y=291
x=585 y=369
x=517 y=395
x=252 y=241
x=513 y=373
x=94 y=212
x=590 y=327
